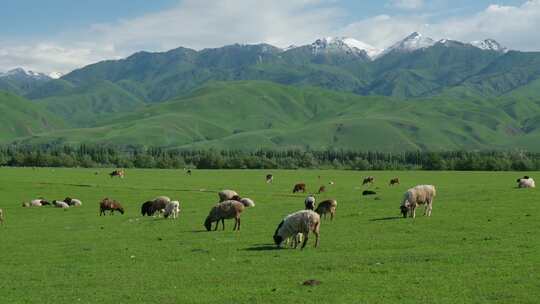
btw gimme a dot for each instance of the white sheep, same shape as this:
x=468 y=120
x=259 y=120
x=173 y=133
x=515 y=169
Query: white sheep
x=60 y=204
x=247 y=202
x=419 y=195
x=226 y=195
x=75 y=202
x=302 y=221
x=526 y=182
x=172 y=209
x=35 y=203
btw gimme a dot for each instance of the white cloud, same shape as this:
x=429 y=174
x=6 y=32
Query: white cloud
x=213 y=23
x=193 y=23
x=407 y=4
x=513 y=26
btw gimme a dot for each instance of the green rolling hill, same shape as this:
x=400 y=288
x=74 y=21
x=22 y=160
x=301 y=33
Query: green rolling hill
x=254 y=114
x=21 y=117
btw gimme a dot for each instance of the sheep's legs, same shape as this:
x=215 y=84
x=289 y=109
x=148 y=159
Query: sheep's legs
x=316 y=239
x=223 y=224
x=217 y=224
x=305 y=241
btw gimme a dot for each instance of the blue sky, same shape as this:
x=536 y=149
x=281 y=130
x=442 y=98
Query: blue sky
x=61 y=35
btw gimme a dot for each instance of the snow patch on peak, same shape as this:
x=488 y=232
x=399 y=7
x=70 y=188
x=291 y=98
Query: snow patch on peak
x=22 y=73
x=344 y=44
x=411 y=43
x=55 y=75
x=489 y=45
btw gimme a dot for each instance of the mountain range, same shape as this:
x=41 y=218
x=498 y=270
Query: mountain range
x=336 y=92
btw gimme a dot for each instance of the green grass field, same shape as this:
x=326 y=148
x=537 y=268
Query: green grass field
x=480 y=246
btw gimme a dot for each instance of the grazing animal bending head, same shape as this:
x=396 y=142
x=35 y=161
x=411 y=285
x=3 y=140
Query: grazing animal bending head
x=299 y=187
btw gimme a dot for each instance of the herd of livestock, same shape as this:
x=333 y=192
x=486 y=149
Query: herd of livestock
x=292 y=230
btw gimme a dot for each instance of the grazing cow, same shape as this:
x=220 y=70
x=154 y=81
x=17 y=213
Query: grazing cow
x=394 y=181
x=299 y=187
x=118 y=172
x=269 y=178
x=368 y=180
x=111 y=205
x=321 y=189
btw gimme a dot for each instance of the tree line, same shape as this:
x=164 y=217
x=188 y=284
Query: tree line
x=88 y=156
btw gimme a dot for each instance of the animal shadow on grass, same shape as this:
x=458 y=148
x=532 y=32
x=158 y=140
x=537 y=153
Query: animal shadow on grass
x=263 y=247
x=390 y=218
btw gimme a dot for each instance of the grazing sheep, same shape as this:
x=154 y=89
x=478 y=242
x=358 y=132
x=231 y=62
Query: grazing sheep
x=309 y=203
x=394 y=181
x=368 y=180
x=327 y=206
x=1 y=217
x=368 y=192
x=111 y=205
x=73 y=202
x=269 y=178
x=118 y=172
x=60 y=204
x=526 y=182
x=422 y=194
x=303 y=222
x=37 y=202
x=159 y=204
x=299 y=187
x=188 y=172
x=247 y=202
x=227 y=195
x=321 y=189
x=222 y=211
x=172 y=209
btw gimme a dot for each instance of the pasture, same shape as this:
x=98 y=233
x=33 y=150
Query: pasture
x=481 y=245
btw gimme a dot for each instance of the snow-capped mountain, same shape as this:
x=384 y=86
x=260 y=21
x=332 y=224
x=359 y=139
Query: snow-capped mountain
x=55 y=75
x=490 y=45
x=21 y=73
x=349 y=45
x=413 y=42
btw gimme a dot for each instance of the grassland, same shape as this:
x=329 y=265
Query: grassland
x=480 y=246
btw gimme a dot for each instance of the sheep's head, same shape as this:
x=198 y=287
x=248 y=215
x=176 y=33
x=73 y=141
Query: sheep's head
x=278 y=240
x=236 y=198
x=404 y=210
x=518 y=180
x=208 y=224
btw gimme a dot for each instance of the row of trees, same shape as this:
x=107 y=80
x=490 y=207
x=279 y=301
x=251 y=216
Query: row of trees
x=99 y=156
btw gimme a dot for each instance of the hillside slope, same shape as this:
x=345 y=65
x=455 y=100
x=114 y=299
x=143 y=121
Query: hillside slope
x=254 y=114
x=21 y=117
